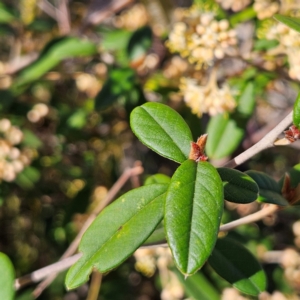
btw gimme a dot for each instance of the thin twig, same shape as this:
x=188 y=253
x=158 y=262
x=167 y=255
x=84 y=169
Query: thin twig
x=95 y=285
x=63 y=17
x=38 y=275
x=74 y=245
x=266 y=142
x=48 y=8
x=264 y=212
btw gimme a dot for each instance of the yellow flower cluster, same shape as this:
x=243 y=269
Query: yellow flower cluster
x=265 y=8
x=206 y=99
x=27 y=10
x=235 y=5
x=12 y=159
x=289 y=44
x=202 y=39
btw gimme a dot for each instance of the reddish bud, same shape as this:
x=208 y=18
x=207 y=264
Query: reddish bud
x=197 y=149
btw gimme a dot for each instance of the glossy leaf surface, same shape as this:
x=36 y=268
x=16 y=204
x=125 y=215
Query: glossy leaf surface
x=163 y=130
x=193 y=210
x=118 y=231
x=7 y=290
x=238 y=186
x=296 y=112
x=291 y=22
x=269 y=190
x=238 y=266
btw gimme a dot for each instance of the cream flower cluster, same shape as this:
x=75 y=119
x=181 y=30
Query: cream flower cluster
x=12 y=159
x=235 y=5
x=206 y=99
x=265 y=8
x=201 y=39
x=289 y=44
x=38 y=112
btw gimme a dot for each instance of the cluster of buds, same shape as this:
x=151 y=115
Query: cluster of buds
x=289 y=44
x=202 y=39
x=290 y=262
x=12 y=159
x=207 y=99
x=234 y=5
x=132 y=18
x=150 y=260
x=37 y=112
x=265 y=8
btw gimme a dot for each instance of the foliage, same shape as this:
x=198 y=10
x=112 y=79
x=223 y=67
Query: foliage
x=90 y=93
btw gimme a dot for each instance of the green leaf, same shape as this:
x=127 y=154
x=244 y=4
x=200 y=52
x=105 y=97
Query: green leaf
x=157 y=178
x=157 y=236
x=238 y=266
x=291 y=22
x=7 y=290
x=198 y=287
x=78 y=119
x=247 y=101
x=6 y=16
x=163 y=130
x=31 y=140
x=194 y=205
x=224 y=135
x=119 y=83
x=296 y=112
x=238 y=186
x=269 y=190
x=118 y=231
x=139 y=43
x=242 y=16
x=264 y=44
x=52 y=54
x=28 y=178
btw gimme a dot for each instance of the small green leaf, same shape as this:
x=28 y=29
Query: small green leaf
x=224 y=135
x=118 y=231
x=238 y=186
x=7 y=290
x=157 y=178
x=296 y=112
x=291 y=22
x=194 y=205
x=163 y=130
x=238 y=266
x=269 y=190
x=246 y=100
x=242 y=16
x=198 y=287
x=54 y=52
x=6 y=16
x=139 y=43
x=119 y=83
